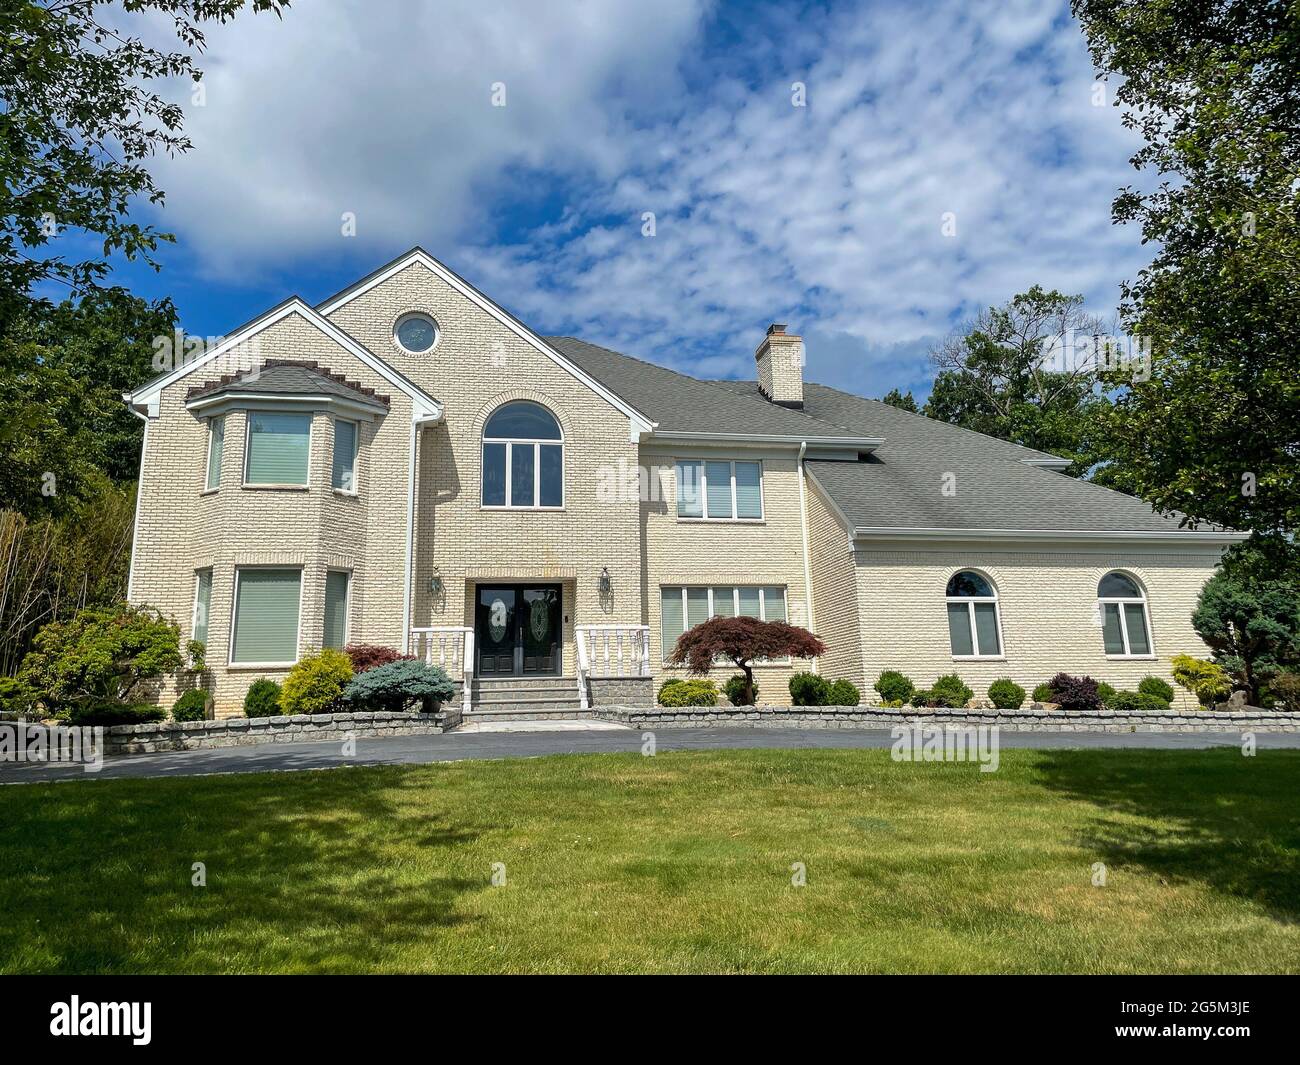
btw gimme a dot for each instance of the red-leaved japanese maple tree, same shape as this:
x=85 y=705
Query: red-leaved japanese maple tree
x=742 y=641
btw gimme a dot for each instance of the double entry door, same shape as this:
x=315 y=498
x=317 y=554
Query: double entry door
x=518 y=630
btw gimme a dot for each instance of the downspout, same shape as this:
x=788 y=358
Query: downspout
x=807 y=565
x=135 y=522
x=410 y=537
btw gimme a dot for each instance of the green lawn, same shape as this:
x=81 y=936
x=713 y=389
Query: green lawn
x=678 y=863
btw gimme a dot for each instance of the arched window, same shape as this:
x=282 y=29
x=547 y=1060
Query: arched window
x=1122 y=606
x=974 y=628
x=523 y=458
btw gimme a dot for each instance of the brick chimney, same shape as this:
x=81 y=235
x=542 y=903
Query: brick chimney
x=780 y=366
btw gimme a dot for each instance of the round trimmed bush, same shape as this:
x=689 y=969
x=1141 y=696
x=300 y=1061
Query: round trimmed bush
x=262 y=699
x=1044 y=694
x=1137 y=703
x=1162 y=690
x=734 y=690
x=894 y=687
x=1006 y=694
x=809 y=689
x=843 y=693
x=1077 y=694
x=192 y=706
x=668 y=685
x=1105 y=692
x=315 y=685
x=951 y=691
x=689 y=693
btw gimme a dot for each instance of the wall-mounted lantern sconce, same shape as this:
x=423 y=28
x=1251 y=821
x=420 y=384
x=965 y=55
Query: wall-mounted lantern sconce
x=435 y=582
x=603 y=583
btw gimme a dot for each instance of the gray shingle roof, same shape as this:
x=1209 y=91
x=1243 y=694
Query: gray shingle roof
x=900 y=486
x=286 y=378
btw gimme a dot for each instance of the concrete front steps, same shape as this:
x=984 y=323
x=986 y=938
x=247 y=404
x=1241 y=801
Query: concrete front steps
x=519 y=699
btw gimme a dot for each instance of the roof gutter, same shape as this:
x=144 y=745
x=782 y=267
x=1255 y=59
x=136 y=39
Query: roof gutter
x=861 y=532
x=860 y=443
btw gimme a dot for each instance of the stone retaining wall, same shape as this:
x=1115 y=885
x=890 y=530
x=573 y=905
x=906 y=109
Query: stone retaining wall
x=1254 y=720
x=622 y=691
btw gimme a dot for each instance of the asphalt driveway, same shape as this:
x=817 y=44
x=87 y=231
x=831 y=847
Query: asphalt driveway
x=454 y=746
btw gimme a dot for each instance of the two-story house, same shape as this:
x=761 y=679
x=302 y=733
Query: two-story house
x=408 y=464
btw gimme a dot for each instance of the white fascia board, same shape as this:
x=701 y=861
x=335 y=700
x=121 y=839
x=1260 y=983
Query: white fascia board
x=1187 y=536
x=267 y=400
x=856 y=443
x=1048 y=463
x=641 y=424
x=424 y=405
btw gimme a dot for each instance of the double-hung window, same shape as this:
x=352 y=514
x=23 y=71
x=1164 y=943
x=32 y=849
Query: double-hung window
x=278 y=448
x=344 y=473
x=337 y=582
x=266 y=616
x=216 y=440
x=683 y=608
x=719 y=490
x=202 y=604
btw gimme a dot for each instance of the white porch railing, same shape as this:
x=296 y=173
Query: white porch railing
x=452 y=648
x=611 y=651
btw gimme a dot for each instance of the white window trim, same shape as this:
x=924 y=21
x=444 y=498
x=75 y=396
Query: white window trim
x=703 y=480
x=735 y=607
x=1120 y=601
x=971 y=600
x=208 y=487
x=194 y=614
x=355 y=490
x=234 y=615
x=347 y=608
x=536 y=445
x=406 y=317
x=248 y=433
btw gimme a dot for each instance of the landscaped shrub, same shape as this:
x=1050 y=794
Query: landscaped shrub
x=894 y=687
x=948 y=691
x=1105 y=692
x=843 y=693
x=734 y=690
x=689 y=693
x=1077 y=694
x=1137 y=703
x=105 y=714
x=1208 y=681
x=1006 y=694
x=1284 y=688
x=101 y=655
x=192 y=706
x=1161 y=689
x=668 y=685
x=809 y=689
x=1044 y=694
x=742 y=641
x=315 y=685
x=16 y=697
x=364 y=656
x=400 y=687
x=262 y=699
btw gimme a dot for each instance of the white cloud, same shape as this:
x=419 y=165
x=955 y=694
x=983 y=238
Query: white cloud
x=827 y=217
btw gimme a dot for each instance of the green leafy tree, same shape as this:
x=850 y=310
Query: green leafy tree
x=742 y=641
x=1021 y=372
x=1214 y=90
x=102 y=654
x=1249 y=615
x=80 y=119
x=903 y=401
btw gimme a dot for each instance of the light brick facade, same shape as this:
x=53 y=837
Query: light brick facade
x=876 y=606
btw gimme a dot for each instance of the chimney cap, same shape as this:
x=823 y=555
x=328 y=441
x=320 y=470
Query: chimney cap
x=776 y=327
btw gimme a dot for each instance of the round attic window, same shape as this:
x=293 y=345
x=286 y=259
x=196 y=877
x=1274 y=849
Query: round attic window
x=415 y=333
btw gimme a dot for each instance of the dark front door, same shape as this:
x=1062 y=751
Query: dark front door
x=518 y=630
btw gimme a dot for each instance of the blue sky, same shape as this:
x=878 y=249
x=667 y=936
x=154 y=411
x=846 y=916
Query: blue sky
x=828 y=216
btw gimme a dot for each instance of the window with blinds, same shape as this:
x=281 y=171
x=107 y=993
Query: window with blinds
x=344 y=474
x=337 y=582
x=278 y=446
x=683 y=608
x=266 y=616
x=715 y=490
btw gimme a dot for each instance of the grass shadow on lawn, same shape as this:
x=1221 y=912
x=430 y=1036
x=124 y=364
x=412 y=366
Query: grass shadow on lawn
x=286 y=870
x=1224 y=820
